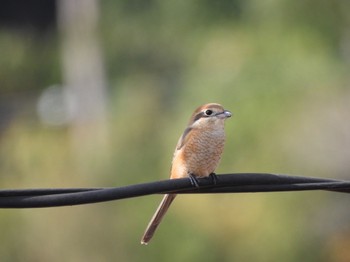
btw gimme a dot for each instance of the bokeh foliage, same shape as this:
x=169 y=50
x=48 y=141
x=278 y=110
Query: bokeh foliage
x=281 y=67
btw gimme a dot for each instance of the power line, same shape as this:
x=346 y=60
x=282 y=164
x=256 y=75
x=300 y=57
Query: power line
x=225 y=183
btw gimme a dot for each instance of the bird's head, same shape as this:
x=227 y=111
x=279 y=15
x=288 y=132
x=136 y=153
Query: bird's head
x=209 y=114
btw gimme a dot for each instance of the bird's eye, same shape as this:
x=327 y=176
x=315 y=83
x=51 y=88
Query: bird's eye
x=208 y=112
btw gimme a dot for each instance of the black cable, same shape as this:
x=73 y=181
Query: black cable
x=227 y=183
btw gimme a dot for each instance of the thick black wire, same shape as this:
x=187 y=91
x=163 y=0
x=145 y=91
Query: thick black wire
x=226 y=183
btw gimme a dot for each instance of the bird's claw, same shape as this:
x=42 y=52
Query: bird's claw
x=194 y=180
x=214 y=178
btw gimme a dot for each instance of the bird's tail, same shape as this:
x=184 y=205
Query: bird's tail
x=157 y=218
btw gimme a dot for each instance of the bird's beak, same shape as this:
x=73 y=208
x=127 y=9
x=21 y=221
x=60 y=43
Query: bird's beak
x=225 y=114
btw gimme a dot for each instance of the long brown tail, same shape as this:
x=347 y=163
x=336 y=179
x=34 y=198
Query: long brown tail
x=157 y=218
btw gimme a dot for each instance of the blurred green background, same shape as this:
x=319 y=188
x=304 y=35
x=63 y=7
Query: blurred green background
x=96 y=93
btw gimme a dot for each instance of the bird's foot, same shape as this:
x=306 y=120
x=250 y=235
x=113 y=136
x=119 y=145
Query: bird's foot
x=194 y=180
x=214 y=178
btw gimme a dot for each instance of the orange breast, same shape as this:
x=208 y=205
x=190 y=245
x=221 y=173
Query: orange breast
x=200 y=155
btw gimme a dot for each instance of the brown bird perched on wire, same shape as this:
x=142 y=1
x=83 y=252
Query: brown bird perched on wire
x=197 y=154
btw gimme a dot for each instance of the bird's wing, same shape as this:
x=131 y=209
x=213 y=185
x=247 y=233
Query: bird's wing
x=183 y=139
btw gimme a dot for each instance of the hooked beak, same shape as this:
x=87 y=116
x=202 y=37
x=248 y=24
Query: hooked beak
x=225 y=114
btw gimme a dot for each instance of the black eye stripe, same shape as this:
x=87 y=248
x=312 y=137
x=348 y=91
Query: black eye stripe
x=203 y=114
x=199 y=116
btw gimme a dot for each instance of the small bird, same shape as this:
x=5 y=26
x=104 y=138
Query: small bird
x=197 y=154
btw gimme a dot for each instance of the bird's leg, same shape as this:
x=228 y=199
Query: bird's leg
x=214 y=178
x=194 y=180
